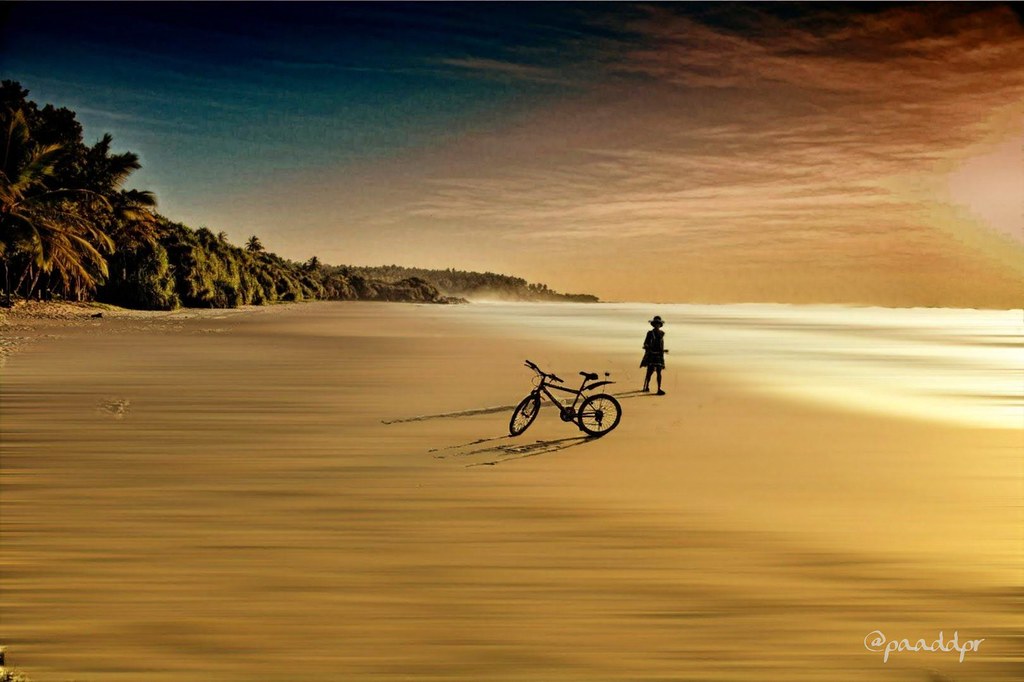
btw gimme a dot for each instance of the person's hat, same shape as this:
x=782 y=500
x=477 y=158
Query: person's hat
x=657 y=320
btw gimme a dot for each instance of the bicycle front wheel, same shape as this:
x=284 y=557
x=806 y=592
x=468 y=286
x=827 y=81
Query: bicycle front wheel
x=599 y=414
x=524 y=414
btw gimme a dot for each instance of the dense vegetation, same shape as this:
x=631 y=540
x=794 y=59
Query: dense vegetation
x=70 y=230
x=478 y=285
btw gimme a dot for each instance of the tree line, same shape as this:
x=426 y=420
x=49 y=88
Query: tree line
x=478 y=285
x=71 y=230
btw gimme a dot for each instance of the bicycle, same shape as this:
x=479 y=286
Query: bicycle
x=597 y=414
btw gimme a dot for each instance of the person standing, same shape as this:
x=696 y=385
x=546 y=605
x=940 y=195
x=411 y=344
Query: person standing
x=654 y=353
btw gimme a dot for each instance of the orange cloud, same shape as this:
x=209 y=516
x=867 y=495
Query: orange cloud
x=788 y=147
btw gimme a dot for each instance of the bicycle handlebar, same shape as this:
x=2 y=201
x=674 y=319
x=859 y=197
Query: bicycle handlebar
x=541 y=372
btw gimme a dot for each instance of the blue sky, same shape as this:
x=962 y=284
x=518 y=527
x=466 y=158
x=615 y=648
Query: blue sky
x=215 y=94
x=691 y=152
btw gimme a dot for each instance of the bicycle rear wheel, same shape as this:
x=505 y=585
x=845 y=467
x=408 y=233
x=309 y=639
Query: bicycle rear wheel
x=524 y=414
x=599 y=414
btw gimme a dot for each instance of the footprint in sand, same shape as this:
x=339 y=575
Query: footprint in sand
x=115 y=408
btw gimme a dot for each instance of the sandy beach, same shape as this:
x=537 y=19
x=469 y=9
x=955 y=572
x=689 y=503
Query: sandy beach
x=321 y=492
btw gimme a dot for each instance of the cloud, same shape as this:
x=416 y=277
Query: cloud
x=497 y=68
x=824 y=138
x=935 y=49
x=123 y=117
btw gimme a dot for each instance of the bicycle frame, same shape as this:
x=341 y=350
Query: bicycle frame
x=566 y=411
x=544 y=387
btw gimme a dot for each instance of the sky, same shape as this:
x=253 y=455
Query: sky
x=870 y=154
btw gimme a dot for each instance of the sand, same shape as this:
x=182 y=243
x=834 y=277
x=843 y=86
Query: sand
x=264 y=494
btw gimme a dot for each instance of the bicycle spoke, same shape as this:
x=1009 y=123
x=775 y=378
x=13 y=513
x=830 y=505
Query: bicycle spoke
x=600 y=415
x=524 y=415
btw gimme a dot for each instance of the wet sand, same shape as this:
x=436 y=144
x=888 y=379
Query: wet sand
x=217 y=495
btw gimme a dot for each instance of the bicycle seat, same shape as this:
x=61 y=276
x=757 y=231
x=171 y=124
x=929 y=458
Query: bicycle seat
x=589 y=376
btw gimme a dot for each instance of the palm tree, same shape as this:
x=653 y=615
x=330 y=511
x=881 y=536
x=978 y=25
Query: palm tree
x=77 y=263
x=100 y=169
x=45 y=225
x=133 y=222
x=132 y=225
x=129 y=216
x=254 y=245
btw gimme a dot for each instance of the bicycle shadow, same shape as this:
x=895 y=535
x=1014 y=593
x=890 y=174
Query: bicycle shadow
x=450 y=415
x=524 y=450
x=476 y=411
x=478 y=441
x=510 y=448
x=504 y=446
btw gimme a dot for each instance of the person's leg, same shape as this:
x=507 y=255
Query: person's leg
x=660 y=392
x=647 y=379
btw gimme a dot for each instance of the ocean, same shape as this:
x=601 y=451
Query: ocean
x=954 y=366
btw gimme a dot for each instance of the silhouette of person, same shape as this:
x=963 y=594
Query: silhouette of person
x=654 y=353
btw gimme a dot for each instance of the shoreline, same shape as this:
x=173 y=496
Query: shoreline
x=67 y=310
x=21 y=310
x=26 y=321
